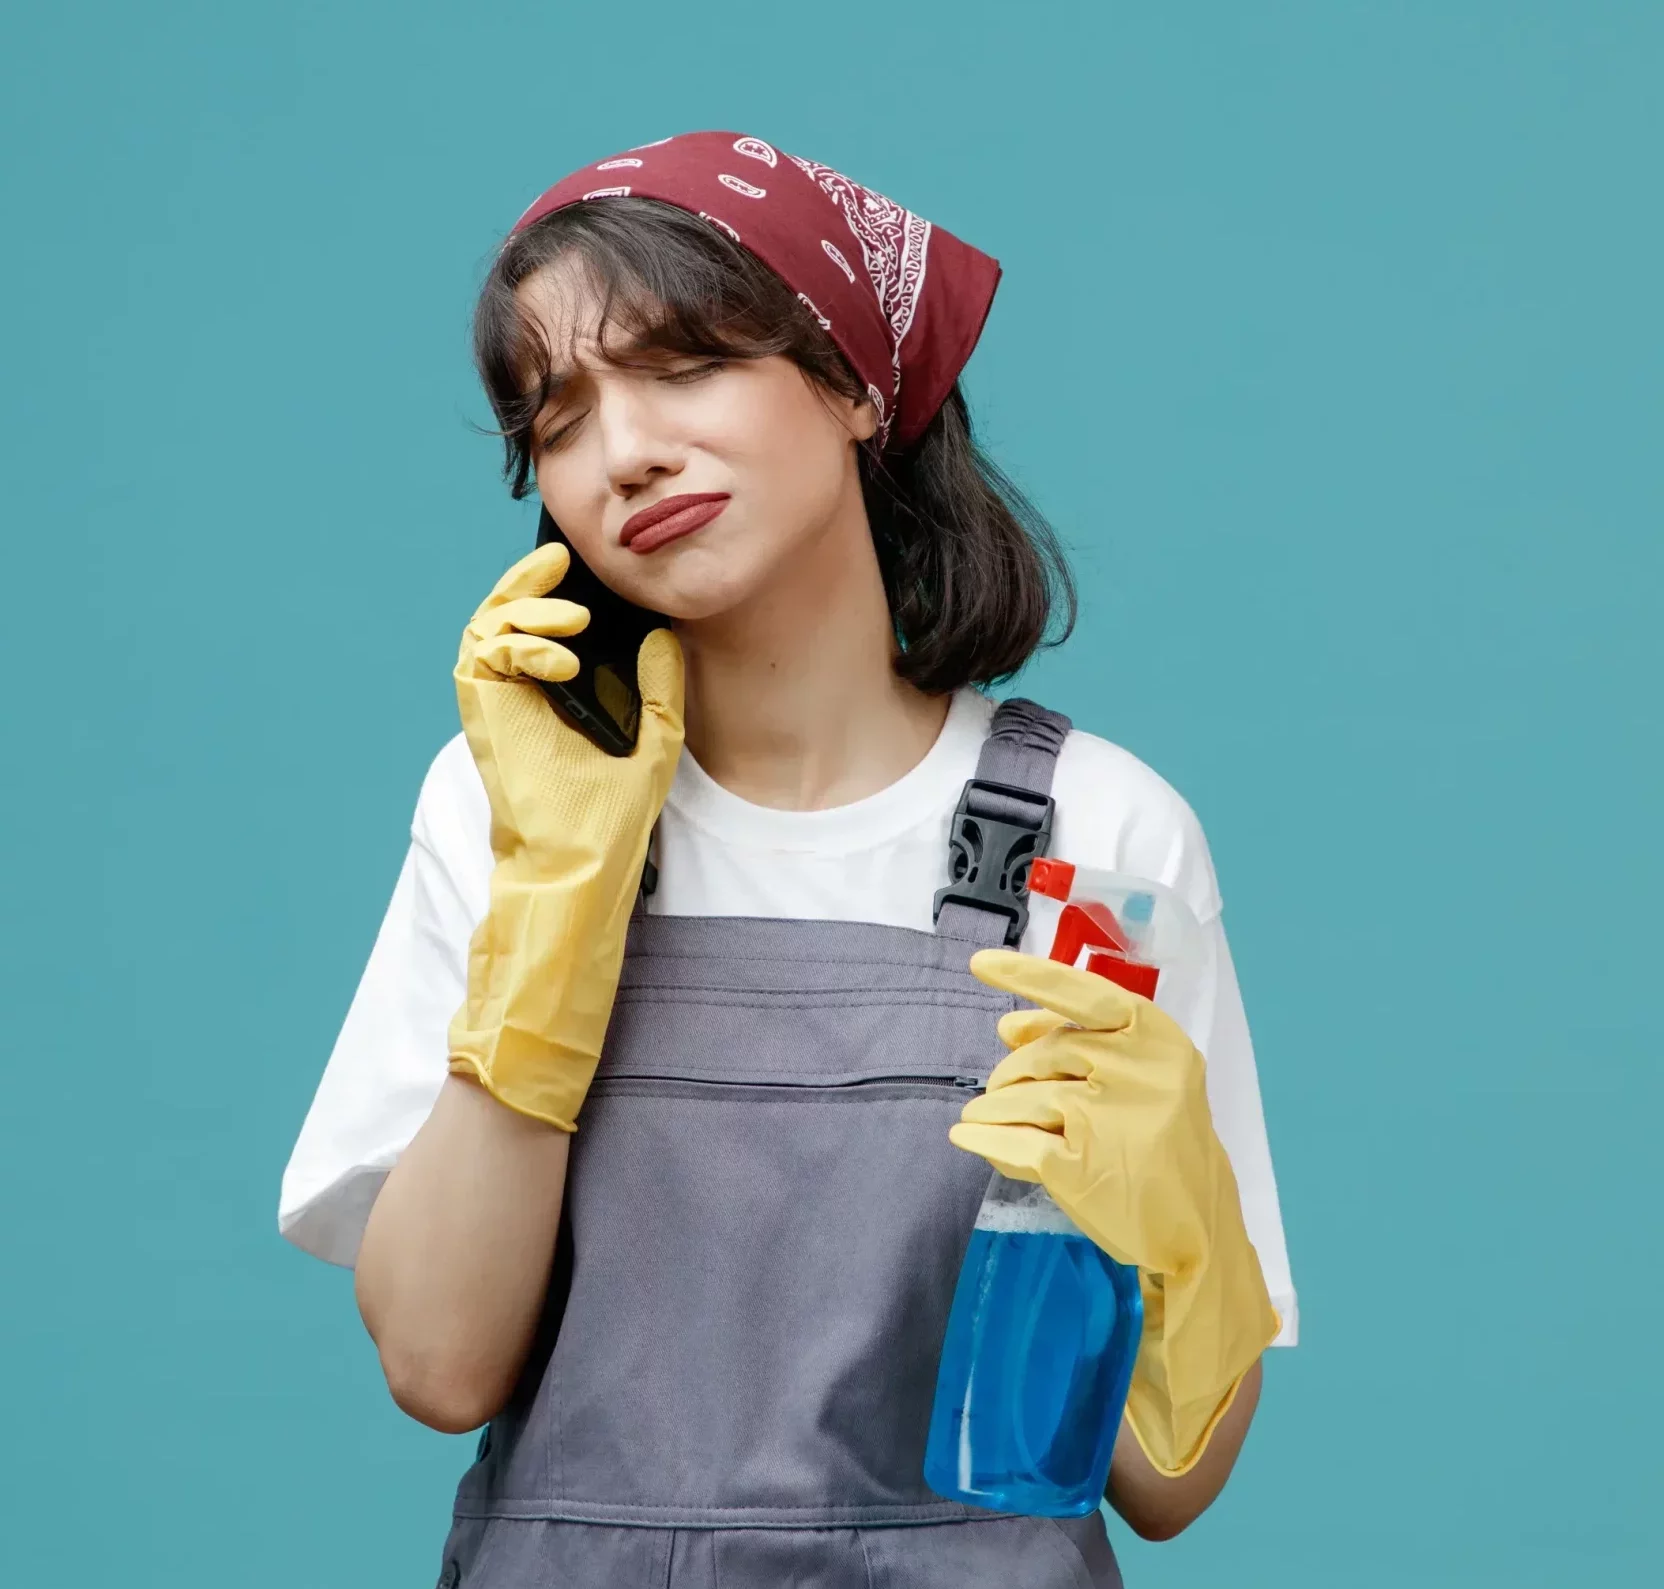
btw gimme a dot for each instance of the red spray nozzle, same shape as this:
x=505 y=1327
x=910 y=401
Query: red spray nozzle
x=1091 y=925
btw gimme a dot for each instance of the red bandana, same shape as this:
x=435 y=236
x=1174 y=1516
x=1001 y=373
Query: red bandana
x=903 y=300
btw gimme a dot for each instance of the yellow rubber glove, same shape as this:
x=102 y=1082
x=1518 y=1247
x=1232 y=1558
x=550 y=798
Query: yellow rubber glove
x=1102 y=1101
x=569 y=829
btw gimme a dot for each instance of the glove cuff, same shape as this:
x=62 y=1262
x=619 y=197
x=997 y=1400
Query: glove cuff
x=550 y=1088
x=542 y=976
x=1202 y=1333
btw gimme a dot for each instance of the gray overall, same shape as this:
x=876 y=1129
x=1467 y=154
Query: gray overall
x=763 y=1224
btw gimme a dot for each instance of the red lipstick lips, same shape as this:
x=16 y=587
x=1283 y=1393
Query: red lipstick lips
x=671 y=519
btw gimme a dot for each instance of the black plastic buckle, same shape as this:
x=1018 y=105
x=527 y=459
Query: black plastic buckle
x=988 y=857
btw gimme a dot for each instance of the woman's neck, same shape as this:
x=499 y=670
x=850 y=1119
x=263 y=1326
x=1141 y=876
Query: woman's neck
x=792 y=699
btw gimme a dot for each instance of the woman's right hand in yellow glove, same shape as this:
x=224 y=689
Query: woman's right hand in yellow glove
x=569 y=828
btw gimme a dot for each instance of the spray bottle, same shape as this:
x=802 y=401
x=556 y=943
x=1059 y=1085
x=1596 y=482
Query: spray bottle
x=1045 y=1325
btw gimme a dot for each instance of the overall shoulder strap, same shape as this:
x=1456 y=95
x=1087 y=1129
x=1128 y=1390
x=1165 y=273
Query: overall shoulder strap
x=1003 y=821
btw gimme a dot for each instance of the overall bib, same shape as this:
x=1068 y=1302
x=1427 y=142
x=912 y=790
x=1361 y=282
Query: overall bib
x=763 y=1224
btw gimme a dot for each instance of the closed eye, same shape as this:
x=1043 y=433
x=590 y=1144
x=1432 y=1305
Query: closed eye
x=694 y=372
x=684 y=377
x=554 y=438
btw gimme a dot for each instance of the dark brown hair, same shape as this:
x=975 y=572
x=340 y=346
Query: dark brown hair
x=972 y=571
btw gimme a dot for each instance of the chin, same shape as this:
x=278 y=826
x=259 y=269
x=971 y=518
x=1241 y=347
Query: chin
x=690 y=601
x=689 y=589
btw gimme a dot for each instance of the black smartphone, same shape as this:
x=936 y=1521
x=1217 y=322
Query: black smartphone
x=603 y=701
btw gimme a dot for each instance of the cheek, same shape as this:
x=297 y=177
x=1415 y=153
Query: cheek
x=793 y=455
x=574 y=507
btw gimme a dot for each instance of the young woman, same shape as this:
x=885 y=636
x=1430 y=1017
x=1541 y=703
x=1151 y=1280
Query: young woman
x=660 y=1171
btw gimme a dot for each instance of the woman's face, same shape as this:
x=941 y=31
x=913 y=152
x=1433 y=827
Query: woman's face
x=771 y=453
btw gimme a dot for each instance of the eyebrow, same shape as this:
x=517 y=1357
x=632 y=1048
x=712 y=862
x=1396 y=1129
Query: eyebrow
x=556 y=379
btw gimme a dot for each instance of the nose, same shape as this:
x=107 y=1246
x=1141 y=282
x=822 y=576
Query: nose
x=637 y=450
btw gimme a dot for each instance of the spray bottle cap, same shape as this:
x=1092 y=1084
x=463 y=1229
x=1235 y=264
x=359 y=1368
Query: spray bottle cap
x=1051 y=877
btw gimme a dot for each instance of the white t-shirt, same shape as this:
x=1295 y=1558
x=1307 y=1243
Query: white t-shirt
x=880 y=859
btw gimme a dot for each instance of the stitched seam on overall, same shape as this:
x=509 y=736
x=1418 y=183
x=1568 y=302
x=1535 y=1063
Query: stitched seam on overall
x=866 y=1558
x=881 y=972
x=646 y=957
x=554 y=1441
x=950 y=1511
x=1064 y=1547
x=726 y=998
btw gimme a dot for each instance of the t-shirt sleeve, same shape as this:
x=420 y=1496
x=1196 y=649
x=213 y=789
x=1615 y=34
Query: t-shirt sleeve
x=390 y=1058
x=1221 y=1032
x=1115 y=813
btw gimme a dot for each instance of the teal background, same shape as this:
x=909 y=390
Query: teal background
x=1331 y=338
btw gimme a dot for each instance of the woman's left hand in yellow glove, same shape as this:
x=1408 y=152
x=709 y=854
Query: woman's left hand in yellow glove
x=1103 y=1101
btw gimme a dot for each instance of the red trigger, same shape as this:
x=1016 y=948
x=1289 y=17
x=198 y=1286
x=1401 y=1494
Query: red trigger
x=1089 y=923
x=1093 y=925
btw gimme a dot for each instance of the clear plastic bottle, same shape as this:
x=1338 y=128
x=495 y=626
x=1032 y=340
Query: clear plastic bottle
x=1045 y=1325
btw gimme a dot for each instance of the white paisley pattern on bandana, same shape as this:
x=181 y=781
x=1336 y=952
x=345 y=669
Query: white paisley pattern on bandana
x=894 y=244
x=704 y=216
x=835 y=254
x=756 y=148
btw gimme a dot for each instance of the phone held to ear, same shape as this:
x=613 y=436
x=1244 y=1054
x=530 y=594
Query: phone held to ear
x=603 y=700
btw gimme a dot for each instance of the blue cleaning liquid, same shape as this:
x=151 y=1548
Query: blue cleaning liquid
x=1035 y=1368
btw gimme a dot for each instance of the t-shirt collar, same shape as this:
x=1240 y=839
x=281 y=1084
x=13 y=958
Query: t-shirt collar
x=925 y=793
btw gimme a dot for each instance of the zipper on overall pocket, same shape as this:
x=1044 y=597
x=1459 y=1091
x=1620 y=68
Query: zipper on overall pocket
x=888 y=1079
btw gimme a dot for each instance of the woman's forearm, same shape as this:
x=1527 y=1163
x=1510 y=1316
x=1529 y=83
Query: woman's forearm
x=1156 y=1506
x=454 y=1266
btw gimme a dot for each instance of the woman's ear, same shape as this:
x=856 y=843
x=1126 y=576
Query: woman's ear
x=861 y=418
x=857 y=415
